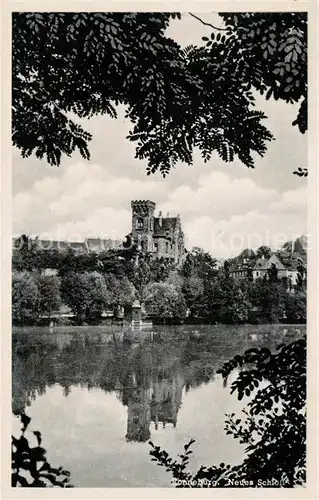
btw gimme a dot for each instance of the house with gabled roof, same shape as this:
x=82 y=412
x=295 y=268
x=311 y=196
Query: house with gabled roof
x=287 y=269
x=263 y=265
x=260 y=268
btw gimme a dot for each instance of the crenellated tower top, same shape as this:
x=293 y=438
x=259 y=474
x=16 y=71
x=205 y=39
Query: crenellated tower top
x=143 y=206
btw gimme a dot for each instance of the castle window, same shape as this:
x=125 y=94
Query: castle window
x=167 y=247
x=155 y=247
x=139 y=223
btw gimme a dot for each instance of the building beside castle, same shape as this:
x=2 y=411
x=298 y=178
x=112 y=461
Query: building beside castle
x=163 y=237
x=89 y=245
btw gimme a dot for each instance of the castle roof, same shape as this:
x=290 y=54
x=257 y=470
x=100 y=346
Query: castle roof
x=143 y=204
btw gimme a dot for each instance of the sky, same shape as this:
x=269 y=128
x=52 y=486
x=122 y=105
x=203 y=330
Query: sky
x=224 y=207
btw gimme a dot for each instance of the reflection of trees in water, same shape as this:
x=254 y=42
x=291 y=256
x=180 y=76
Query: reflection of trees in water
x=200 y=362
x=148 y=378
x=32 y=372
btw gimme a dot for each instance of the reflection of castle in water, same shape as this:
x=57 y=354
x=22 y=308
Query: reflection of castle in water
x=158 y=403
x=149 y=378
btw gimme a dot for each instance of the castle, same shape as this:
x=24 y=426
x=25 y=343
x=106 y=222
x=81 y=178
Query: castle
x=161 y=236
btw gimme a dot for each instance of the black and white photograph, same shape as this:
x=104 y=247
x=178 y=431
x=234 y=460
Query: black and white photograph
x=159 y=248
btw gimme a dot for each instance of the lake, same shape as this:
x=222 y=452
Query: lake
x=97 y=402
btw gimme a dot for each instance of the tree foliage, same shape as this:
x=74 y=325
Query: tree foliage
x=269 y=299
x=26 y=255
x=164 y=300
x=264 y=252
x=91 y=283
x=68 y=66
x=49 y=294
x=296 y=307
x=270 y=50
x=25 y=295
x=120 y=291
x=85 y=294
x=273 y=428
x=32 y=461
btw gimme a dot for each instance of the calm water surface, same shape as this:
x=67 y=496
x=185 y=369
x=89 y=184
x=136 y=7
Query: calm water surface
x=97 y=402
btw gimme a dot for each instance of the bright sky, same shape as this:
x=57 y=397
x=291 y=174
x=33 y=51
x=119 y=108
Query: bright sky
x=224 y=207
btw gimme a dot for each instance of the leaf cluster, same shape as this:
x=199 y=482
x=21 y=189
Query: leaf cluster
x=270 y=54
x=31 y=461
x=70 y=66
x=274 y=426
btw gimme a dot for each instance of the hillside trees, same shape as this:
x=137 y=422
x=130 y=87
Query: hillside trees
x=164 y=301
x=120 y=291
x=85 y=294
x=193 y=290
x=68 y=66
x=296 y=307
x=264 y=251
x=199 y=272
x=200 y=263
x=234 y=303
x=33 y=295
x=26 y=256
x=268 y=300
x=49 y=295
x=98 y=298
x=24 y=298
x=91 y=283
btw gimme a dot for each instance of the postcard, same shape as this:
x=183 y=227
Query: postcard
x=159 y=250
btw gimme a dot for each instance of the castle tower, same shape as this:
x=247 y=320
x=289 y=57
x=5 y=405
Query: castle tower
x=139 y=415
x=179 y=243
x=143 y=223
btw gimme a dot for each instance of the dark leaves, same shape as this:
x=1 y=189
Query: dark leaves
x=38 y=436
x=33 y=461
x=273 y=429
x=301 y=172
x=25 y=420
x=176 y=99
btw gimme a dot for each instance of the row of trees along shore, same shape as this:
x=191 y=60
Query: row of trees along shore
x=200 y=291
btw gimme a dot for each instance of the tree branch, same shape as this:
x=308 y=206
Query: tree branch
x=206 y=24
